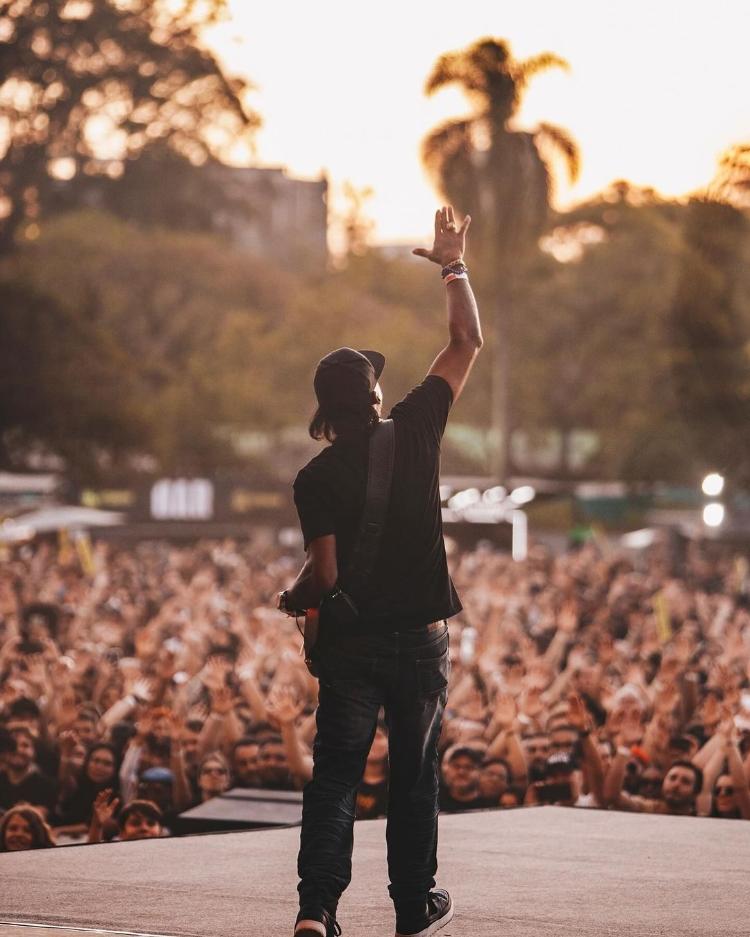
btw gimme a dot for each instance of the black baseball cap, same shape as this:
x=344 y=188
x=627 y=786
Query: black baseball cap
x=345 y=378
x=560 y=763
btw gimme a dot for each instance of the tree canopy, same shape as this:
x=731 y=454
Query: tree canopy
x=89 y=86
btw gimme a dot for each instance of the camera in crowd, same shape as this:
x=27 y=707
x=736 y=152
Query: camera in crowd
x=552 y=780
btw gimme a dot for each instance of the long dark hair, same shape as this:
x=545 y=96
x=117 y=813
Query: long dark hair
x=78 y=805
x=332 y=426
x=41 y=834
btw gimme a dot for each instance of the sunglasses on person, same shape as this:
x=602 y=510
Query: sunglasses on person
x=214 y=770
x=724 y=790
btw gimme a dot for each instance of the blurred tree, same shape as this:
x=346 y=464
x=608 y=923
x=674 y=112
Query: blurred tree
x=210 y=344
x=356 y=226
x=160 y=187
x=710 y=322
x=732 y=181
x=86 y=86
x=161 y=299
x=640 y=333
x=595 y=355
x=65 y=388
x=502 y=177
x=171 y=345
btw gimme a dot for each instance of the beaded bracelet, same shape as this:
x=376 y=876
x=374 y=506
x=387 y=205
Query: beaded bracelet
x=455 y=266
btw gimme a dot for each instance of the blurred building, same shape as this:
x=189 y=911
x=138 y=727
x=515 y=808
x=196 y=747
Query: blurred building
x=259 y=209
x=273 y=215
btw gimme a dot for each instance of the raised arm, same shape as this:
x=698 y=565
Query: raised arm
x=283 y=709
x=455 y=361
x=739 y=778
x=580 y=717
x=613 y=795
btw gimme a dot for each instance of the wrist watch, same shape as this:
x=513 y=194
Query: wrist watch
x=283 y=607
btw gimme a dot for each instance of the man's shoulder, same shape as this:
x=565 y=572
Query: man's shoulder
x=427 y=405
x=433 y=389
x=317 y=467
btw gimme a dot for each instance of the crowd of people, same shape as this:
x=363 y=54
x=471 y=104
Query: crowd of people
x=157 y=676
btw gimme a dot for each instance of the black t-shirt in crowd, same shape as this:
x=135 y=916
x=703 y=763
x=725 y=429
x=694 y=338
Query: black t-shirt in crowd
x=372 y=799
x=449 y=804
x=410 y=585
x=35 y=789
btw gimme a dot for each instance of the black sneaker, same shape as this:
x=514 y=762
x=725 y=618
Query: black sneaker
x=436 y=914
x=316 y=924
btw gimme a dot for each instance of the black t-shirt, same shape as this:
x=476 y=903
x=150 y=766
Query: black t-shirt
x=372 y=799
x=35 y=789
x=449 y=804
x=410 y=584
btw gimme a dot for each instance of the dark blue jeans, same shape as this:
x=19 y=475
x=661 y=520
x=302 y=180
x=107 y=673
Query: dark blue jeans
x=406 y=672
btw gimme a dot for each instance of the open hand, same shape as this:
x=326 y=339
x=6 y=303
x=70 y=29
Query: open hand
x=222 y=700
x=506 y=711
x=538 y=675
x=578 y=714
x=67 y=742
x=36 y=671
x=246 y=666
x=283 y=705
x=143 y=689
x=531 y=702
x=214 y=673
x=567 y=619
x=631 y=732
x=105 y=806
x=450 y=241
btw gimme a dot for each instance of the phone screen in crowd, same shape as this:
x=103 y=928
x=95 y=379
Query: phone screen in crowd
x=555 y=792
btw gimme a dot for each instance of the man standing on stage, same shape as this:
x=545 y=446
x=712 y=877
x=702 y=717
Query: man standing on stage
x=397 y=655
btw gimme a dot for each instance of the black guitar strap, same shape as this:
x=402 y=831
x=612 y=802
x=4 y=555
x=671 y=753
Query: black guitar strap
x=379 y=477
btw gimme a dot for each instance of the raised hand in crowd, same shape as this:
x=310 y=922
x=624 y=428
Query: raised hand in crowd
x=193 y=642
x=102 y=818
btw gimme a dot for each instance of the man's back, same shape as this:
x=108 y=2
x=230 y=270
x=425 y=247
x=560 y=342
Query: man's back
x=410 y=583
x=400 y=661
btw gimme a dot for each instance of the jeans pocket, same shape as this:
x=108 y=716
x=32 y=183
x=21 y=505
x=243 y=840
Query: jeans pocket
x=432 y=674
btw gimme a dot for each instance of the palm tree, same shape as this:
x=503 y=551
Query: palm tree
x=731 y=184
x=503 y=178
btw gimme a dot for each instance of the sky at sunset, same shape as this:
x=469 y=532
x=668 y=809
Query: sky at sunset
x=655 y=92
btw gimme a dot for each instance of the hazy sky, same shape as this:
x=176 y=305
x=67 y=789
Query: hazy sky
x=656 y=89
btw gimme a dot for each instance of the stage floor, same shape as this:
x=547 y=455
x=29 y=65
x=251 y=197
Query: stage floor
x=546 y=872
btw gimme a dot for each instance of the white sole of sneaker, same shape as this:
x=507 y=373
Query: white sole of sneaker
x=306 y=928
x=432 y=928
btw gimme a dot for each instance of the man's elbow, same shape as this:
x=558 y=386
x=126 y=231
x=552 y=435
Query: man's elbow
x=471 y=341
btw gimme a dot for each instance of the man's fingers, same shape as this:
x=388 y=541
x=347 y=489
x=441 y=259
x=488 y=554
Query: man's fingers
x=465 y=226
x=421 y=252
x=438 y=222
x=449 y=214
